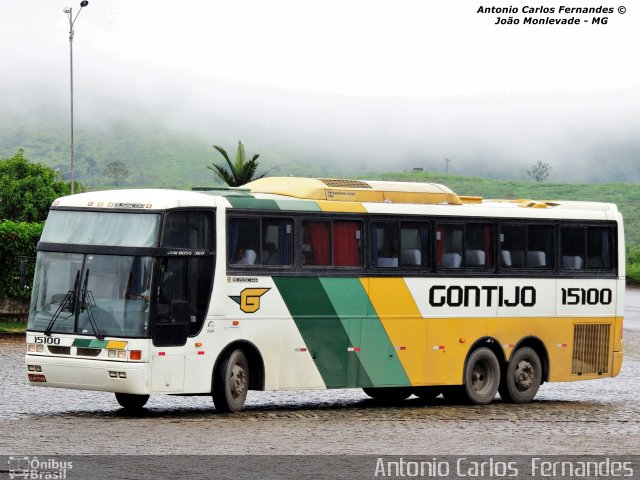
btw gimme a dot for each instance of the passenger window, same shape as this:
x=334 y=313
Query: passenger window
x=327 y=243
x=478 y=245
x=190 y=229
x=464 y=245
x=244 y=241
x=384 y=245
x=316 y=247
x=277 y=242
x=255 y=241
x=414 y=244
x=347 y=238
x=573 y=241
x=540 y=246
x=599 y=250
x=526 y=246
x=585 y=248
x=513 y=241
x=449 y=246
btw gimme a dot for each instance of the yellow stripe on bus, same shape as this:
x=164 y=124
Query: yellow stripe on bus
x=347 y=207
x=402 y=321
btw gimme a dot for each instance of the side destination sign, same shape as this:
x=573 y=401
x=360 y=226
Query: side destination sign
x=511 y=296
x=486 y=296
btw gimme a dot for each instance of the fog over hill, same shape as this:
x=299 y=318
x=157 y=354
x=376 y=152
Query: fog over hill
x=162 y=127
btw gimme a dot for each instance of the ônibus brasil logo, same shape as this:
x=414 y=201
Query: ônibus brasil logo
x=34 y=468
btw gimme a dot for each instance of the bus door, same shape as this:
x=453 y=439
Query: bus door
x=171 y=328
x=184 y=283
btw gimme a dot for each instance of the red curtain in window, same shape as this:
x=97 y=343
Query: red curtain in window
x=319 y=239
x=346 y=246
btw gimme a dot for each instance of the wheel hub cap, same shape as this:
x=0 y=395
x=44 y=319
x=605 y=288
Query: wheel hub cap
x=237 y=380
x=524 y=375
x=478 y=377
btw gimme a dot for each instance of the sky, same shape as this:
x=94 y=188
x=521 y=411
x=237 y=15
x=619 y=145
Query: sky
x=327 y=65
x=409 y=48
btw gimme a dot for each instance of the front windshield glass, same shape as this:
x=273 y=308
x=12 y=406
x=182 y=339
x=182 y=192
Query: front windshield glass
x=102 y=228
x=97 y=295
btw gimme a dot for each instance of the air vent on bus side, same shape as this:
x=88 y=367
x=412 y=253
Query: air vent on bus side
x=590 y=348
x=344 y=183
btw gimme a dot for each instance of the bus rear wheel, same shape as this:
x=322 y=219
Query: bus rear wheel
x=388 y=394
x=231 y=382
x=523 y=377
x=481 y=377
x=130 y=401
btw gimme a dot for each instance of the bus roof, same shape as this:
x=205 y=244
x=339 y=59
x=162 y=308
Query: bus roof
x=338 y=195
x=376 y=191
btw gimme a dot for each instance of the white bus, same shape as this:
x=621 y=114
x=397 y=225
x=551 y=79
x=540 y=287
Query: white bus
x=297 y=283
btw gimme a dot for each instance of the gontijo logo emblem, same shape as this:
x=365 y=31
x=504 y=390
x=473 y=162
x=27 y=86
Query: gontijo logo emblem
x=249 y=299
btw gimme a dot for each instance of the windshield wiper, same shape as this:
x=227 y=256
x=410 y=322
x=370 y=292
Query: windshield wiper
x=69 y=299
x=86 y=294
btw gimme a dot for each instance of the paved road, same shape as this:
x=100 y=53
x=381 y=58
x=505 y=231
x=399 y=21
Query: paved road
x=595 y=417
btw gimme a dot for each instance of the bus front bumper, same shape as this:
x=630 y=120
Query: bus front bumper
x=84 y=374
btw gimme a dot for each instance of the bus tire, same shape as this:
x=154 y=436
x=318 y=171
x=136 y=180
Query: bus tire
x=481 y=376
x=427 y=394
x=388 y=394
x=231 y=382
x=522 y=378
x=130 y=401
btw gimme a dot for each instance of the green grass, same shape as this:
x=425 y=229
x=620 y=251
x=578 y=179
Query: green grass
x=12 y=327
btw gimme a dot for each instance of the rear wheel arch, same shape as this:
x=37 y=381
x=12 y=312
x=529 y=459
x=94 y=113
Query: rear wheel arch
x=493 y=345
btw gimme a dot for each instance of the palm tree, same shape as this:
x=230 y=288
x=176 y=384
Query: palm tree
x=241 y=171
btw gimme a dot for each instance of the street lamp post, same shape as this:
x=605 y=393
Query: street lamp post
x=72 y=21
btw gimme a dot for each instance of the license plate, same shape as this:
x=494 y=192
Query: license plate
x=36 y=377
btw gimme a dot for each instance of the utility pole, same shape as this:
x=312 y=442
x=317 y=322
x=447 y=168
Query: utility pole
x=72 y=20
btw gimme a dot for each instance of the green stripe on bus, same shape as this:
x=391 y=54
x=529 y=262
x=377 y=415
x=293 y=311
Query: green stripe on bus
x=322 y=331
x=248 y=202
x=89 y=343
x=377 y=354
x=298 y=205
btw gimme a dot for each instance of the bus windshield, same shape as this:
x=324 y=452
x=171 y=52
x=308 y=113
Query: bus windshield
x=89 y=294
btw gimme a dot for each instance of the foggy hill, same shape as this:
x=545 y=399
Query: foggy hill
x=164 y=133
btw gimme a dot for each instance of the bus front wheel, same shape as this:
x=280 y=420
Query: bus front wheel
x=130 y=401
x=481 y=376
x=231 y=382
x=523 y=377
